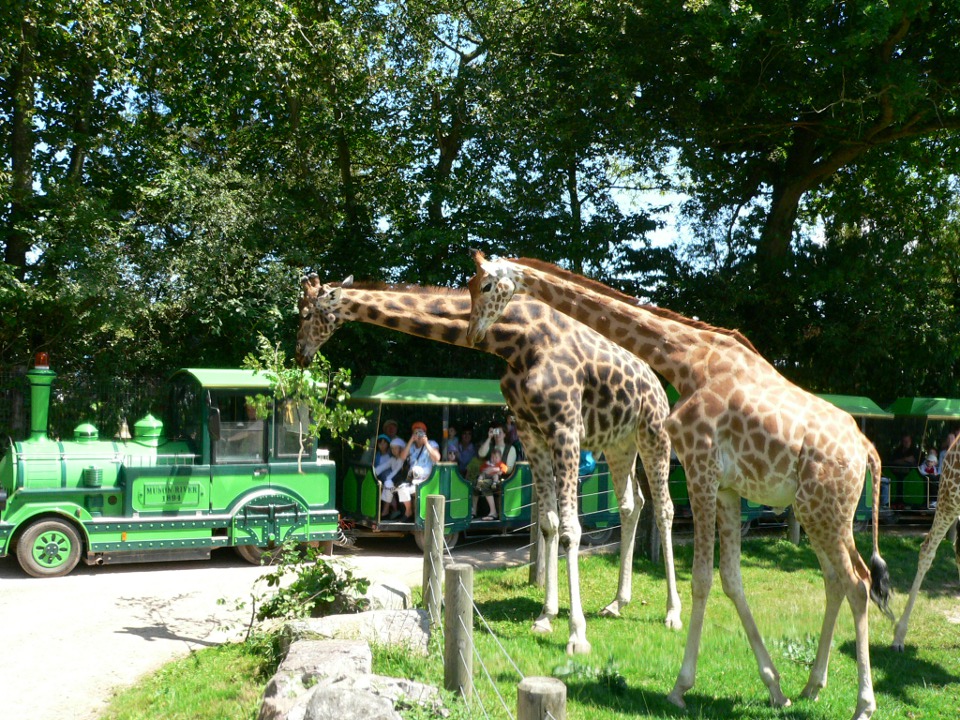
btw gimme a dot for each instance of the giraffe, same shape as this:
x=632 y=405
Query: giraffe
x=565 y=386
x=948 y=508
x=740 y=429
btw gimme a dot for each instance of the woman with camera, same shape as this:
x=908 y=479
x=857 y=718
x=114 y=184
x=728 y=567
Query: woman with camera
x=420 y=453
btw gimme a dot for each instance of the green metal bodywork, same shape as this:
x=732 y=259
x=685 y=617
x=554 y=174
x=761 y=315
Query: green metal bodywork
x=361 y=490
x=153 y=495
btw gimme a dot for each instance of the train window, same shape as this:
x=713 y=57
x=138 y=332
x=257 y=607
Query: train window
x=242 y=434
x=183 y=411
x=293 y=427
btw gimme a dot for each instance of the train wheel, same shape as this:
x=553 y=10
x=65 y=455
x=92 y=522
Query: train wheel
x=450 y=539
x=256 y=555
x=49 y=548
x=596 y=536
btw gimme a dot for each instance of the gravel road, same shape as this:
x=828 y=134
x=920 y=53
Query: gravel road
x=69 y=642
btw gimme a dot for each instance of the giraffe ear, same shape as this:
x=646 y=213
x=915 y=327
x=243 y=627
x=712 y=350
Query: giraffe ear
x=347 y=282
x=336 y=293
x=476 y=255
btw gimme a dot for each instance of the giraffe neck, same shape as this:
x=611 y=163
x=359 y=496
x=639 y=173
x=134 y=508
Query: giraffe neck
x=438 y=314
x=685 y=352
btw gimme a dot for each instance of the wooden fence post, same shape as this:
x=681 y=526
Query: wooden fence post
x=433 y=557
x=458 y=630
x=541 y=698
x=793 y=525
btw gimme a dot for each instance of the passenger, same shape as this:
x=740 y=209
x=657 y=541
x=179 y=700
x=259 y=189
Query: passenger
x=931 y=471
x=948 y=441
x=488 y=482
x=388 y=472
x=929 y=466
x=901 y=459
x=510 y=430
x=469 y=464
x=453 y=455
x=422 y=453
x=390 y=429
x=496 y=437
x=452 y=443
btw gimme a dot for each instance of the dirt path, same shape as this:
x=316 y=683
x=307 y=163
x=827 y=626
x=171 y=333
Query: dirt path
x=70 y=642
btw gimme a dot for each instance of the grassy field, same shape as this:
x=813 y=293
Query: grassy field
x=635 y=659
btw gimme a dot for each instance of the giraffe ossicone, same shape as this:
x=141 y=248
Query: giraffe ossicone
x=607 y=399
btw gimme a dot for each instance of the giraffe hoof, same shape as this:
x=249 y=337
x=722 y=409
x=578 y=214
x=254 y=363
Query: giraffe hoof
x=811 y=692
x=578 y=647
x=673 y=621
x=898 y=645
x=781 y=701
x=542 y=626
x=677 y=699
x=611 y=610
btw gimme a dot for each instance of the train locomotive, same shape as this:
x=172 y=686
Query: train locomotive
x=209 y=474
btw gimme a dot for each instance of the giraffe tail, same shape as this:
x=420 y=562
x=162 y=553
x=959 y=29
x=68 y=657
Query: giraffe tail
x=879 y=574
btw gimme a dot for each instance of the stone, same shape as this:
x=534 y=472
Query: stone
x=409 y=629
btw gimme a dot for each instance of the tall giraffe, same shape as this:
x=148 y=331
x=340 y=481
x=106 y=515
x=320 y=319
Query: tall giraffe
x=948 y=508
x=740 y=429
x=565 y=385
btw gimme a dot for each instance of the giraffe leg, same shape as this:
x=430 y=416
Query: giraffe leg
x=728 y=526
x=704 y=510
x=834 y=589
x=947 y=512
x=834 y=537
x=655 y=453
x=621 y=465
x=541 y=467
x=566 y=461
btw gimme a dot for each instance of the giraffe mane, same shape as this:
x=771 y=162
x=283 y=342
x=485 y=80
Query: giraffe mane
x=608 y=291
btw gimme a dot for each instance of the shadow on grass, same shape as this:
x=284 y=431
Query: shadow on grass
x=902 y=671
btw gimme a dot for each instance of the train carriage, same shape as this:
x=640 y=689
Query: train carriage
x=440 y=402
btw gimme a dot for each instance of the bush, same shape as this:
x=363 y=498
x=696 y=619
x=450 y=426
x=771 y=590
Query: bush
x=320 y=587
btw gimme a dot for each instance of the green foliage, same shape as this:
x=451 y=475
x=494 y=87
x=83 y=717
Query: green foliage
x=170 y=168
x=319 y=586
x=608 y=677
x=321 y=389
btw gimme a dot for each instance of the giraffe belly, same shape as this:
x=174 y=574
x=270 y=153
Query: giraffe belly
x=753 y=479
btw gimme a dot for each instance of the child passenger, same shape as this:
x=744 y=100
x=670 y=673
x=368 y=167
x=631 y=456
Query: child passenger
x=388 y=473
x=488 y=481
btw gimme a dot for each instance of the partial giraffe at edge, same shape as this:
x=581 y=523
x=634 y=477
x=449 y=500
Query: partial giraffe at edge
x=740 y=429
x=948 y=510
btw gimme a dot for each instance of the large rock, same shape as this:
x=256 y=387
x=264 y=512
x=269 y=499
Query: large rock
x=309 y=665
x=323 y=679
x=409 y=629
x=391 y=595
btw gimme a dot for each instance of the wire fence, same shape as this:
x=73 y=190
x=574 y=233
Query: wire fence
x=496 y=705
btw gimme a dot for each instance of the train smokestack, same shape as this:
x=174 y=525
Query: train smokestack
x=40 y=378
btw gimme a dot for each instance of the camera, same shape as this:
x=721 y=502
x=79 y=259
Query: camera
x=420 y=433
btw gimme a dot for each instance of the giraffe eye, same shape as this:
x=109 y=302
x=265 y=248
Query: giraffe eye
x=487 y=287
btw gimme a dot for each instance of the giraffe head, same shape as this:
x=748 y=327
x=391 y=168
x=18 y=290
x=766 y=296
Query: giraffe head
x=319 y=307
x=491 y=289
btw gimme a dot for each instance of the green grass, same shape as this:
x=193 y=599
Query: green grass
x=218 y=683
x=635 y=659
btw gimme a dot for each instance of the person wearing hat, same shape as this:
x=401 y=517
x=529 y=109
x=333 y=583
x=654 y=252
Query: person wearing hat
x=390 y=428
x=421 y=453
x=388 y=473
x=930 y=471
